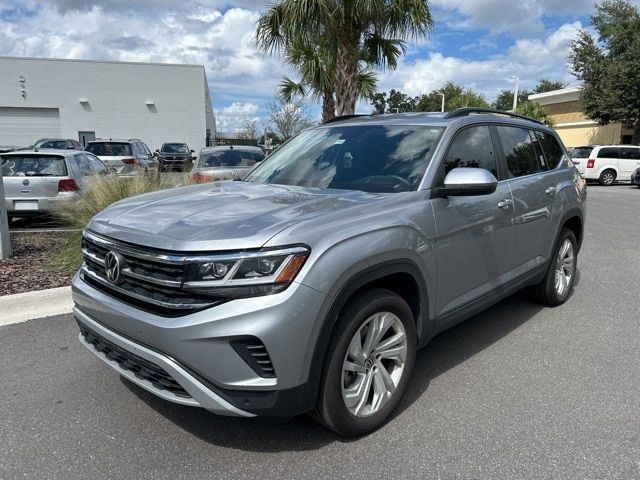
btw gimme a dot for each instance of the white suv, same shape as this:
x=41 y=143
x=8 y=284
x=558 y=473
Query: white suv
x=606 y=163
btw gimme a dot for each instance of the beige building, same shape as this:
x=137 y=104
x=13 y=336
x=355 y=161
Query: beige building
x=573 y=126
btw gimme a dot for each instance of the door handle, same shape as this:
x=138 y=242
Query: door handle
x=506 y=203
x=550 y=190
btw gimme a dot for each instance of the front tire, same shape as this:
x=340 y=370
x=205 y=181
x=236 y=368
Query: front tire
x=607 y=178
x=369 y=362
x=557 y=285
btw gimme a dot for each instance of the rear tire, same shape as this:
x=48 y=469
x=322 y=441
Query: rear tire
x=557 y=285
x=368 y=364
x=607 y=178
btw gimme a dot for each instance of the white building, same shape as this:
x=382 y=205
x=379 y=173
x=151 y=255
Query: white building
x=84 y=99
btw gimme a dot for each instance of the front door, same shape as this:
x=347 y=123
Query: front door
x=86 y=137
x=474 y=233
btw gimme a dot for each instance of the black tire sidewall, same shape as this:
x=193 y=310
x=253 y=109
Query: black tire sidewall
x=332 y=408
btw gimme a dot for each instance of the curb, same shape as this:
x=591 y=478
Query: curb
x=21 y=307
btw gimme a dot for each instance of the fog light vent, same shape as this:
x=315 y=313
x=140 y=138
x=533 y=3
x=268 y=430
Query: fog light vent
x=255 y=354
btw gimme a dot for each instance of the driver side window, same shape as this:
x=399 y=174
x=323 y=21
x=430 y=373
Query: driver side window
x=472 y=148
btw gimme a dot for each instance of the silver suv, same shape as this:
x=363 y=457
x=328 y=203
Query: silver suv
x=309 y=285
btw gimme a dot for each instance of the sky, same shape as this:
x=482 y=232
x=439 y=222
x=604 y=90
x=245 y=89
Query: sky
x=478 y=44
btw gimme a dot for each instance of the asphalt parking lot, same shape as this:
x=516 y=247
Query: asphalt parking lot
x=519 y=391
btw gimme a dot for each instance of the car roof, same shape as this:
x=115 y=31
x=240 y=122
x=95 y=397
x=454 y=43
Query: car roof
x=113 y=140
x=177 y=143
x=44 y=152
x=615 y=146
x=460 y=116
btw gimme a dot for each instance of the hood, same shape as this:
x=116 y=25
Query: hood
x=219 y=216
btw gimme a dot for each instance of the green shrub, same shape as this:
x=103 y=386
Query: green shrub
x=100 y=193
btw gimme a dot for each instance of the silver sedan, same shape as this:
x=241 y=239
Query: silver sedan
x=35 y=182
x=227 y=162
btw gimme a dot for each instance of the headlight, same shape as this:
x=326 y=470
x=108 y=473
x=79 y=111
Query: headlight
x=244 y=274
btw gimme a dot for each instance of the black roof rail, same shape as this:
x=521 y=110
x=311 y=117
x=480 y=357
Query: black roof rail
x=345 y=117
x=465 y=111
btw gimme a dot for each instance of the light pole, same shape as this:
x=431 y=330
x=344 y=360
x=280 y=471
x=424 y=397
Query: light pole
x=442 y=106
x=515 y=92
x=5 y=244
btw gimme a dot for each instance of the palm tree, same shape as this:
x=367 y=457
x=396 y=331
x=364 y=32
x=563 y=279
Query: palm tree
x=378 y=27
x=317 y=70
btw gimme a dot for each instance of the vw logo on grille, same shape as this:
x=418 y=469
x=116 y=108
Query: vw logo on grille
x=25 y=182
x=113 y=263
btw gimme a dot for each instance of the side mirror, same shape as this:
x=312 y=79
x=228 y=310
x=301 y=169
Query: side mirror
x=463 y=181
x=193 y=151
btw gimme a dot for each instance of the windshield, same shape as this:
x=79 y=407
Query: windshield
x=371 y=158
x=33 y=166
x=174 y=148
x=232 y=157
x=581 y=152
x=61 y=144
x=110 y=149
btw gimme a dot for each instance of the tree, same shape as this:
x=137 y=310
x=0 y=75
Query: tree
x=609 y=67
x=535 y=110
x=547 y=85
x=249 y=130
x=393 y=102
x=316 y=67
x=378 y=27
x=288 y=118
x=504 y=100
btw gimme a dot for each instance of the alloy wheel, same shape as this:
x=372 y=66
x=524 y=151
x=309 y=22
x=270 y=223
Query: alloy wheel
x=374 y=364
x=565 y=264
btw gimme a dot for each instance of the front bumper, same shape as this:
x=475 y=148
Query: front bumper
x=196 y=351
x=198 y=394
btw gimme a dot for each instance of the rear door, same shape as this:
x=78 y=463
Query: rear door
x=533 y=189
x=629 y=162
x=475 y=233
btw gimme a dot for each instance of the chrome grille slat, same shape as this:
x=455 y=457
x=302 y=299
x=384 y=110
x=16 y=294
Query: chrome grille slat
x=175 y=306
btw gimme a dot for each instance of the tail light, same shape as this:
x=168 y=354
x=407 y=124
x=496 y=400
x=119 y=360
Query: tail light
x=129 y=161
x=591 y=162
x=199 y=178
x=68 y=185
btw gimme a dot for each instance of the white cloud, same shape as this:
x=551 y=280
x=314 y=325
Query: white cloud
x=531 y=59
x=232 y=117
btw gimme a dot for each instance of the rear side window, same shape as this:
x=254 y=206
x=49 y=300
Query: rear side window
x=110 y=149
x=552 y=150
x=225 y=158
x=519 y=151
x=581 y=152
x=609 y=152
x=59 y=144
x=33 y=166
x=472 y=148
x=630 y=153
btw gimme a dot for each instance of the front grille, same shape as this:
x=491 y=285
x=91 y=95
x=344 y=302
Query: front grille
x=255 y=354
x=141 y=368
x=151 y=280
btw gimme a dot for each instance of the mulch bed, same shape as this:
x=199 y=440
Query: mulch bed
x=28 y=268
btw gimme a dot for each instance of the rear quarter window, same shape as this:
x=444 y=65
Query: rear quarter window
x=581 y=152
x=110 y=149
x=553 y=152
x=609 y=152
x=33 y=166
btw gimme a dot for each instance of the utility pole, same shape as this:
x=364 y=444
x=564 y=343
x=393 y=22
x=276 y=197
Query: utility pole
x=442 y=107
x=5 y=244
x=515 y=92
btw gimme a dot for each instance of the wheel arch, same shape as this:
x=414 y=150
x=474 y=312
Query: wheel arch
x=401 y=276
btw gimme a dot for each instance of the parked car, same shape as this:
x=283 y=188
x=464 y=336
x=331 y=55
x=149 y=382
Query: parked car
x=225 y=162
x=309 y=285
x=175 y=156
x=126 y=157
x=58 y=144
x=635 y=178
x=35 y=182
x=606 y=163
x=8 y=148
